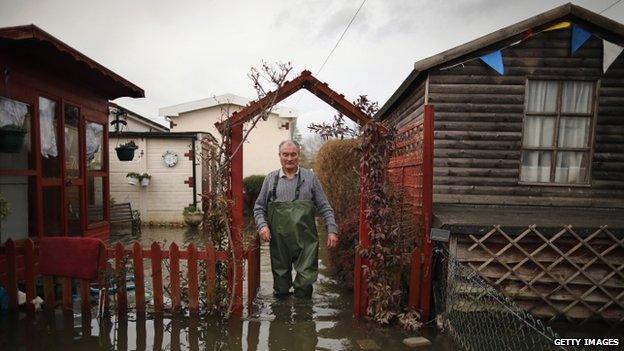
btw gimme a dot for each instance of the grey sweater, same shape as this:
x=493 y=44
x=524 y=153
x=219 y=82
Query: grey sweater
x=310 y=189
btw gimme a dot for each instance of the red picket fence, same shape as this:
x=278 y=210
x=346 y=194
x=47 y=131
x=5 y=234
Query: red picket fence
x=20 y=266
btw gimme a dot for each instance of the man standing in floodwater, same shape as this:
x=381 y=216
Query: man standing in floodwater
x=284 y=214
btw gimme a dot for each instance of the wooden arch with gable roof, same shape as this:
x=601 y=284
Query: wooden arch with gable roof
x=304 y=81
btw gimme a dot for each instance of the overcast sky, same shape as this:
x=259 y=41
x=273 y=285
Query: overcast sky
x=179 y=51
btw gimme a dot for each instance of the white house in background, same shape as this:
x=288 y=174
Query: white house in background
x=172 y=186
x=260 y=150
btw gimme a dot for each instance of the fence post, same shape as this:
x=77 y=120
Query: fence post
x=122 y=299
x=66 y=284
x=236 y=215
x=174 y=276
x=193 y=286
x=12 y=274
x=139 y=276
x=157 y=283
x=427 y=246
x=29 y=273
x=102 y=280
x=210 y=272
x=360 y=287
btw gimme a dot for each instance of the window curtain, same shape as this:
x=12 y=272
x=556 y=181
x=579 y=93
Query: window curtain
x=539 y=131
x=576 y=99
x=571 y=167
x=542 y=96
x=47 y=114
x=12 y=112
x=94 y=137
x=536 y=166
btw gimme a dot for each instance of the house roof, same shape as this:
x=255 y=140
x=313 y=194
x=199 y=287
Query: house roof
x=225 y=99
x=610 y=30
x=140 y=118
x=35 y=42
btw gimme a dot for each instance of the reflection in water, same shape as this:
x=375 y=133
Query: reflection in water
x=293 y=327
x=323 y=323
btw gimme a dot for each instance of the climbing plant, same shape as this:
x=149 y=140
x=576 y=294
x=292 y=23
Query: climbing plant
x=218 y=155
x=388 y=252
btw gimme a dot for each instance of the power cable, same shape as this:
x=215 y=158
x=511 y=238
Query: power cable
x=342 y=36
x=336 y=45
x=610 y=6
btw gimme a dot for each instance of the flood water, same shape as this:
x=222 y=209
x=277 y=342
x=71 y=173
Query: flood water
x=323 y=323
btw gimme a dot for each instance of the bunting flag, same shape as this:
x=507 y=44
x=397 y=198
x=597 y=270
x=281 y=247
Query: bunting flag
x=494 y=60
x=579 y=37
x=610 y=52
x=558 y=26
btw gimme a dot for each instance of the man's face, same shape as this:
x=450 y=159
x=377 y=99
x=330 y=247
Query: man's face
x=289 y=157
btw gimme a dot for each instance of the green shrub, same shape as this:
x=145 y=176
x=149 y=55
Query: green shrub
x=338 y=169
x=251 y=188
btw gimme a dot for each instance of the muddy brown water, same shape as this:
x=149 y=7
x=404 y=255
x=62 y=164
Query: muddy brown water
x=323 y=323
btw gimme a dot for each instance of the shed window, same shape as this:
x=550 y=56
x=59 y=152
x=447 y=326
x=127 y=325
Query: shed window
x=557 y=134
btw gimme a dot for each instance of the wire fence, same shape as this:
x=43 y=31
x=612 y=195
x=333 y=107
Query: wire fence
x=480 y=318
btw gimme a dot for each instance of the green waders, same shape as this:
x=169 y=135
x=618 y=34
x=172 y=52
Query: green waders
x=294 y=242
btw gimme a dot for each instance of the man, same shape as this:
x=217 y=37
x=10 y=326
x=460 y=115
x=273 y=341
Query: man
x=284 y=214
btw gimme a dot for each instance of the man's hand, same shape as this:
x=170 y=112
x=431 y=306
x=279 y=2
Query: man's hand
x=332 y=240
x=265 y=234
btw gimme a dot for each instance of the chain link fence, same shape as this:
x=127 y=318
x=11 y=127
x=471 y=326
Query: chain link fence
x=480 y=318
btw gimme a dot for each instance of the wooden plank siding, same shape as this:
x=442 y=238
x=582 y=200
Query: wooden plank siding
x=411 y=109
x=479 y=118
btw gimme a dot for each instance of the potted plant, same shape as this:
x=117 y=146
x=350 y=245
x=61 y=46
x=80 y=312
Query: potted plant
x=125 y=152
x=12 y=138
x=145 y=179
x=192 y=215
x=133 y=178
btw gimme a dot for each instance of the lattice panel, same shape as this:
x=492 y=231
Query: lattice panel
x=405 y=171
x=559 y=275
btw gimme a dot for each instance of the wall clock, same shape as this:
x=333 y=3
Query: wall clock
x=170 y=158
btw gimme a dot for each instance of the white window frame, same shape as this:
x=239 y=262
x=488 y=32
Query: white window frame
x=558 y=115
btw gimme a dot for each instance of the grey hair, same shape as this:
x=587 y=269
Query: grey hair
x=279 y=148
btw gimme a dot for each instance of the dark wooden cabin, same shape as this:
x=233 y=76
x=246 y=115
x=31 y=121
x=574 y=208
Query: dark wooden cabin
x=56 y=179
x=529 y=164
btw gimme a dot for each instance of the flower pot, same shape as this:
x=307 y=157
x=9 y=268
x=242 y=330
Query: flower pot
x=193 y=219
x=145 y=181
x=11 y=141
x=132 y=180
x=125 y=153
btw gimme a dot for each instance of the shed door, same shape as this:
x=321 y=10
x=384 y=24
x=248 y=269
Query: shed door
x=61 y=175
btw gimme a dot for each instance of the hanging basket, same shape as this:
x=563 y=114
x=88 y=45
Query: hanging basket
x=145 y=181
x=11 y=141
x=125 y=153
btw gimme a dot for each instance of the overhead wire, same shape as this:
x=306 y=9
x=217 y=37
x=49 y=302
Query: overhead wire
x=335 y=46
x=610 y=6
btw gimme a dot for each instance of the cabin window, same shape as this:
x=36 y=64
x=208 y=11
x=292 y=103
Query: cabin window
x=17 y=173
x=557 y=132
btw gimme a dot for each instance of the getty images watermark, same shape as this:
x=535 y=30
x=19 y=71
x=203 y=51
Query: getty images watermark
x=587 y=342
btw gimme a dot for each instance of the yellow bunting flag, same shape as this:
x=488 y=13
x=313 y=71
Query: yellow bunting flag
x=561 y=25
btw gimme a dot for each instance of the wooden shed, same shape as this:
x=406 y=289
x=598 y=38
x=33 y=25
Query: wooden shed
x=528 y=158
x=54 y=136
